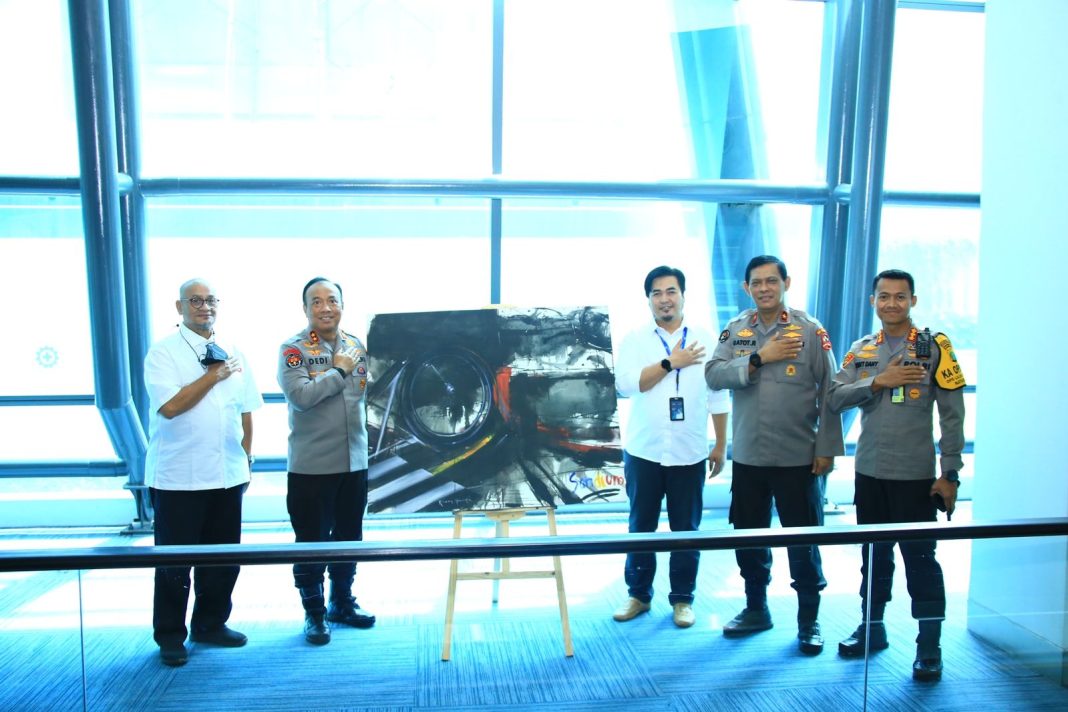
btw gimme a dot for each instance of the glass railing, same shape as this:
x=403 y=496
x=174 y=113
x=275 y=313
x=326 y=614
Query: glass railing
x=76 y=611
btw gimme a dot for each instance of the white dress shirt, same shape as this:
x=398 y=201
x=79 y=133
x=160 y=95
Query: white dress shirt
x=201 y=448
x=650 y=432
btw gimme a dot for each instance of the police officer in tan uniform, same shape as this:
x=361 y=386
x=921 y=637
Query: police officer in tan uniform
x=896 y=377
x=779 y=364
x=323 y=373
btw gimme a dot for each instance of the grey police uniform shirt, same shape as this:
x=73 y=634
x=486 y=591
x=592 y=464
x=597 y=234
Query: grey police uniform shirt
x=327 y=414
x=781 y=414
x=896 y=438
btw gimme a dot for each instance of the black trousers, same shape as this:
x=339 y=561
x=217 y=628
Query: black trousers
x=893 y=501
x=194 y=517
x=798 y=496
x=327 y=508
x=648 y=483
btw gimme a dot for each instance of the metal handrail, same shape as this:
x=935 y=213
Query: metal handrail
x=128 y=557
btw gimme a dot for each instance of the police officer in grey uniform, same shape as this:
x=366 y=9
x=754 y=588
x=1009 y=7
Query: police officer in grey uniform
x=779 y=364
x=896 y=377
x=323 y=373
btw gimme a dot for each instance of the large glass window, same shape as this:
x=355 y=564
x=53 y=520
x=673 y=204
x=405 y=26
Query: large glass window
x=934 y=136
x=324 y=89
x=43 y=285
x=631 y=89
x=37 y=131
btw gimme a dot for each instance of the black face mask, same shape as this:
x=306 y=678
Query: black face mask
x=214 y=354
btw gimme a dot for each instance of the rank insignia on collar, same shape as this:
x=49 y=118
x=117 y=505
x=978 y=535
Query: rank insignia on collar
x=880 y=338
x=724 y=335
x=912 y=335
x=313 y=337
x=753 y=320
x=745 y=333
x=293 y=357
x=784 y=317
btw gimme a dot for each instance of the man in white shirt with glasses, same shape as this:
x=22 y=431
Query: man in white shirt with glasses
x=201 y=398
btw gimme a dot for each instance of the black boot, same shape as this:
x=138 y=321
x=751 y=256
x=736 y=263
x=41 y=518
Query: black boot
x=344 y=609
x=316 y=629
x=853 y=646
x=928 y=664
x=809 y=636
x=756 y=616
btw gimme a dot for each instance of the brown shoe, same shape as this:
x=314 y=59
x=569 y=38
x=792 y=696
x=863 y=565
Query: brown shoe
x=631 y=609
x=684 y=616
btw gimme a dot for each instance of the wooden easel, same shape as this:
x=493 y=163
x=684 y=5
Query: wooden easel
x=502 y=570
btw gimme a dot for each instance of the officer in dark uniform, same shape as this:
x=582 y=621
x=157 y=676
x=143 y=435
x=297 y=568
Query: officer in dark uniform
x=778 y=363
x=896 y=377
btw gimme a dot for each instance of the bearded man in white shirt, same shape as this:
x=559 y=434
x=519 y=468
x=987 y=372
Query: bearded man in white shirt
x=666 y=440
x=201 y=398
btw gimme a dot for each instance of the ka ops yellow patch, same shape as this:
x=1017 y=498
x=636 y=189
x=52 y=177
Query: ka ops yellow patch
x=948 y=375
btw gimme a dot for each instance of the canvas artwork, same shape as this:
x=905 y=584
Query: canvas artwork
x=491 y=409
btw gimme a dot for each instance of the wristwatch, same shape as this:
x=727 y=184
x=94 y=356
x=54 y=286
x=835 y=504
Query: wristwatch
x=755 y=361
x=952 y=476
x=665 y=364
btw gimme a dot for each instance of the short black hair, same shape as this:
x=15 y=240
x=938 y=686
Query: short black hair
x=760 y=261
x=894 y=274
x=664 y=271
x=316 y=280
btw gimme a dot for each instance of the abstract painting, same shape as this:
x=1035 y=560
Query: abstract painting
x=492 y=409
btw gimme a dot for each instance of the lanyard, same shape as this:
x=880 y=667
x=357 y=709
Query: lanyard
x=668 y=349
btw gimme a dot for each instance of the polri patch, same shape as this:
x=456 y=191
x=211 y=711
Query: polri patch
x=293 y=357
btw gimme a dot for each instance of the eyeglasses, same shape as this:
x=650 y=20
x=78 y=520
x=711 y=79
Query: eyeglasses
x=197 y=302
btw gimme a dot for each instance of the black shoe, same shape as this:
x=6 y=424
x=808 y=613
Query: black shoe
x=853 y=646
x=750 y=620
x=349 y=614
x=316 y=630
x=928 y=665
x=222 y=636
x=809 y=639
x=173 y=654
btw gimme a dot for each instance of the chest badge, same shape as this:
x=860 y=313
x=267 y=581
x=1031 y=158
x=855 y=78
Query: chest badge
x=293 y=357
x=791 y=370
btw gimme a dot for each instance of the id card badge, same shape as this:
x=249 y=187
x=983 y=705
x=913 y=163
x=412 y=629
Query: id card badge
x=898 y=395
x=676 y=408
